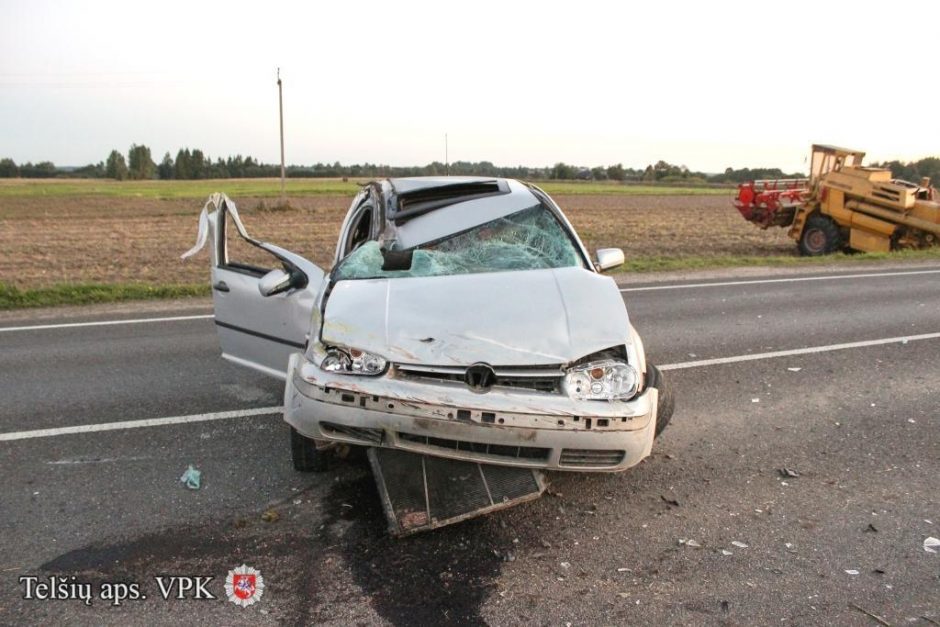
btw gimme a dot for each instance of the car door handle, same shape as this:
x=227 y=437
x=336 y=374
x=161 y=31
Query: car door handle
x=221 y=286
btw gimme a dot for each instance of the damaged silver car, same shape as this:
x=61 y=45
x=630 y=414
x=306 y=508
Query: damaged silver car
x=462 y=318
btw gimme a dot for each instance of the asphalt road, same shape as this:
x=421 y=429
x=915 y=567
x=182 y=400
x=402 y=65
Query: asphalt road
x=842 y=540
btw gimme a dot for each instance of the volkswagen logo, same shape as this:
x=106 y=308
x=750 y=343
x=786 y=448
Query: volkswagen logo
x=480 y=377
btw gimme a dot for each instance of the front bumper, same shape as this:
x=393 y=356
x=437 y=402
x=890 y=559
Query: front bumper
x=503 y=426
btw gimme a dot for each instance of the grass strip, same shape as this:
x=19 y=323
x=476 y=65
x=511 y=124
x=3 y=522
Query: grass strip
x=90 y=293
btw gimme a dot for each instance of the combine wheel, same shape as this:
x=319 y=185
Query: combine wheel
x=821 y=236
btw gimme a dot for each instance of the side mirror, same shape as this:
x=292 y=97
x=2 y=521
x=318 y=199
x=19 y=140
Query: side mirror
x=608 y=258
x=275 y=282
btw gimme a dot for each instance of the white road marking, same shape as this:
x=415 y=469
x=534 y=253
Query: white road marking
x=798 y=351
x=136 y=424
x=263 y=411
x=104 y=323
x=832 y=277
x=103 y=460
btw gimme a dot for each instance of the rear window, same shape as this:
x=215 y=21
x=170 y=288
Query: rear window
x=530 y=239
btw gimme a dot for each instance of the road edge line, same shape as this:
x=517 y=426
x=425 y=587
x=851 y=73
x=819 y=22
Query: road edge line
x=105 y=323
x=868 y=275
x=136 y=424
x=798 y=351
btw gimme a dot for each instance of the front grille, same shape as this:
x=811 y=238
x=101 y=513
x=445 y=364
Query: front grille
x=590 y=458
x=536 y=378
x=359 y=434
x=478 y=449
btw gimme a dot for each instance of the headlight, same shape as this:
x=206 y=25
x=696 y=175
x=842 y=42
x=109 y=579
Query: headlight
x=353 y=361
x=607 y=380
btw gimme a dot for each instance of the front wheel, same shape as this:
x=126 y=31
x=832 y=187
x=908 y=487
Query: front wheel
x=667 y=402
x=821 y=236
x=305 y=455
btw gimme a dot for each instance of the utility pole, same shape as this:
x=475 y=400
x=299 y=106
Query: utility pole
x=446 y=157
x=280 y=104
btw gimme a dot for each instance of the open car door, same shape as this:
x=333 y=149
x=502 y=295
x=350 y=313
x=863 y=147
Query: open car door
x=263 y=295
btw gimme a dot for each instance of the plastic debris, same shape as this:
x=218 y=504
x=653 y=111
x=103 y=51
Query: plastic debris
x=740 y=545
x=794 y=369
x=693 y=544
x=851 y=571
x=788 y=472
x=755 y=400
x=726 y=552
x=191 y=478
x=931 y=545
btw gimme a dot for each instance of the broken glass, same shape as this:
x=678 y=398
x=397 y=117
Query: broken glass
x=530 y=239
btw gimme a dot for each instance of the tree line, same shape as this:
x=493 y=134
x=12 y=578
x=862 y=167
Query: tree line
x=192 y=164
x=914 y=171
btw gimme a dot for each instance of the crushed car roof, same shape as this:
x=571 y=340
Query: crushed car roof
x=425 y=208
x=404 y=185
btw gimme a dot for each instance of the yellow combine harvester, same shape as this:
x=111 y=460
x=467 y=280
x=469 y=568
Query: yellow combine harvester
x=845 y=206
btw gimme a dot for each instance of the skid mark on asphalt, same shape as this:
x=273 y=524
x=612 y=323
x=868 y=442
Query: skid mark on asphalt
x=321 y=555
x=440 y=577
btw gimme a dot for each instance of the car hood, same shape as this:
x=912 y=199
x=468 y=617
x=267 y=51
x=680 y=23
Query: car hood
x=532 y=317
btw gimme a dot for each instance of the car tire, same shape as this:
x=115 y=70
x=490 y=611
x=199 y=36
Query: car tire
x=821 y=236
x=667 y=402
x=305 y=455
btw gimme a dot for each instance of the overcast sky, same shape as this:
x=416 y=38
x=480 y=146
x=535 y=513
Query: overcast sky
x=704 y=84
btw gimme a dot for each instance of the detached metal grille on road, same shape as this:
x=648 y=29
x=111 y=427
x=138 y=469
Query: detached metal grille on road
x=420 y=492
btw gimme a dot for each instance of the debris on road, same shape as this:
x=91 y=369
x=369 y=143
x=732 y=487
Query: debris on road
x=794 y=369
x=270 y=516
x=851 y=571
x=788 y=473
x=931 y=545
x=191 y=478
x=668 y=501
x=738 y=544
x=421 y=492
x=874 y=617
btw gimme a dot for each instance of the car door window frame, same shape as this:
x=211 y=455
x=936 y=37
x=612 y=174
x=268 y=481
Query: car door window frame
x=367 y=210
x=225 y=263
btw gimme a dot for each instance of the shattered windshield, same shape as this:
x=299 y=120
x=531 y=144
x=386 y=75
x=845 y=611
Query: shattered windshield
x=530 y=239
